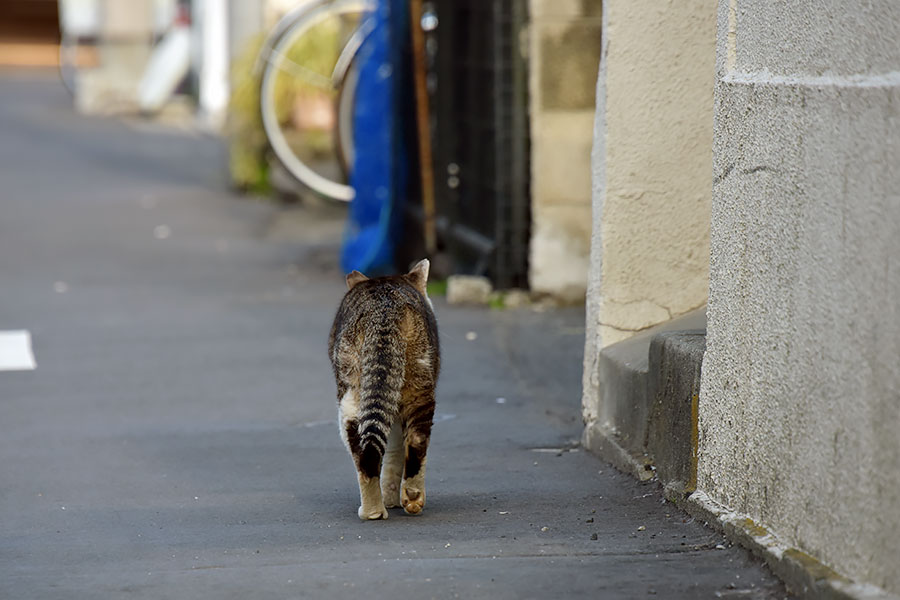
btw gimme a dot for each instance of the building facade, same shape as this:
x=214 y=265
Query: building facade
x=797 y=417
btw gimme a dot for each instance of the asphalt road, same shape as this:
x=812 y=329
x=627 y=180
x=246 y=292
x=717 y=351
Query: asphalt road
x=177 y=438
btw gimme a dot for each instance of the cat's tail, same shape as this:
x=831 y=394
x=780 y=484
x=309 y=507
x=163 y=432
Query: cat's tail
x=383 y=370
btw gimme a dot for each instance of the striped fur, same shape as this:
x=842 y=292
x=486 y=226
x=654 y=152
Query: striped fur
x=385 y=353
x=382 y=370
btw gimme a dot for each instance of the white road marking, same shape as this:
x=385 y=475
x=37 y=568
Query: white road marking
x=15 y=351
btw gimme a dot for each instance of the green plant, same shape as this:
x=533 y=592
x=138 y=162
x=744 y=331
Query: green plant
x=247 y=143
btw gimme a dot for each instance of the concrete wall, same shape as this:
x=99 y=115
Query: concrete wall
x=651 y=172
x=564 y=49
x=799 y=411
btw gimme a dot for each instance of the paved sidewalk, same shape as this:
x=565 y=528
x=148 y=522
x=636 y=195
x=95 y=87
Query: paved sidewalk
x=178 y=438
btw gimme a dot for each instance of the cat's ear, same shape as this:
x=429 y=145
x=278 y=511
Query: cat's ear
x=419 y=274
x=355 y=277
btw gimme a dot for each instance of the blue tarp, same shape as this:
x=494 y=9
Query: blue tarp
x=379 y=174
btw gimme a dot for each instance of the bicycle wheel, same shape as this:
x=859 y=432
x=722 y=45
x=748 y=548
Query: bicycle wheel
x=299 y=92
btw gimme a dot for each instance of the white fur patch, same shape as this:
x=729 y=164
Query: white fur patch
x=349 y=405
x=348 y=409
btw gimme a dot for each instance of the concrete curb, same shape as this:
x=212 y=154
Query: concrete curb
x=603 y=442
x=635 y=422
x=651 y=386
x=801 y=573
x=673 y=385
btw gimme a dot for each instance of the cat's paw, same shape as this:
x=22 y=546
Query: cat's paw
x=412 y=499
x=372 y=514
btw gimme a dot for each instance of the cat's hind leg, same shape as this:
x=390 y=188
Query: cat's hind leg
x=392 y=467
x=416 y=435
x=367 y=460
x=368 y=468
x=371 y=506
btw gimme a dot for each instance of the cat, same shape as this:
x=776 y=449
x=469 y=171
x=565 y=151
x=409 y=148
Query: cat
x=386 y=357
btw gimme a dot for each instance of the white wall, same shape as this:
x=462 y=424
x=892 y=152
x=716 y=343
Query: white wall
x=800 y=400
x=651 y=172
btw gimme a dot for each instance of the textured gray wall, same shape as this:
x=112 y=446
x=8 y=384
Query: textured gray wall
x=800 y=400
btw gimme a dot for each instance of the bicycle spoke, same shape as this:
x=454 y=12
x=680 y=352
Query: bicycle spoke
x=297 y=70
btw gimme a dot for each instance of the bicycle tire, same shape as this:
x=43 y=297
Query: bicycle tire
x=347 y=69
x=343 y=134
x=275 y=63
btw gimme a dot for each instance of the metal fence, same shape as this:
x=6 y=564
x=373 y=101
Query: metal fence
x=479 y=101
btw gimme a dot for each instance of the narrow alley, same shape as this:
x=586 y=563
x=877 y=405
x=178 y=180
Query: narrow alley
x=177 y=437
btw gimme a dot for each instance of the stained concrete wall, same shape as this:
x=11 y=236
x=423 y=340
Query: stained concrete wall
x=799 y=410
x=651 y=173
x=563 y=51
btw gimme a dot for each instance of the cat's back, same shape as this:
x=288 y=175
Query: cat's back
x=385 y=307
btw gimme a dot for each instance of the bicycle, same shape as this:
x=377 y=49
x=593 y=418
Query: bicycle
x=308 y=72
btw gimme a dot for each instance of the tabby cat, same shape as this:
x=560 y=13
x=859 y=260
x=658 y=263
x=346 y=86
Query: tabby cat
x=384 y=351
